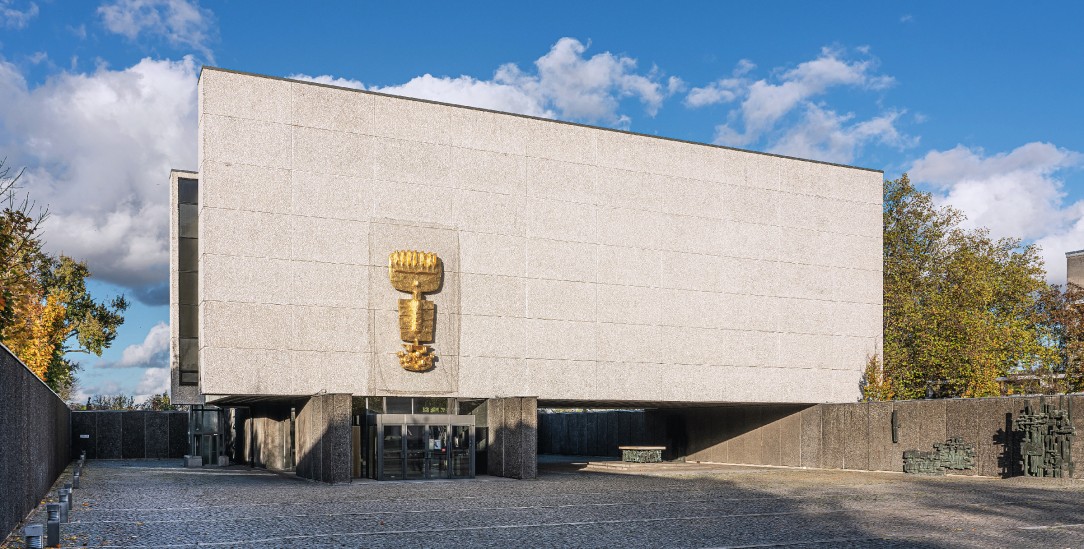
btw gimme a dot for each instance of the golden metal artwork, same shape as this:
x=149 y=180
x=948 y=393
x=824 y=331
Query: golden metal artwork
x=417 y=273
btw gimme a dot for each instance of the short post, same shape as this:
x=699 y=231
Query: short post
x=75 y=479
x=64 y=497
x=68 y=488
x=32 y=536
x=52 y=524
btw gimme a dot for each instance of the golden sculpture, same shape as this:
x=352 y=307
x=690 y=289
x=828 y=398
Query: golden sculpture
x=416 y=273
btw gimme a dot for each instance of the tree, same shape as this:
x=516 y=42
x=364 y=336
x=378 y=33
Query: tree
x=110 y=402
x=1065 y=311
x=46 y=311
x=960 y=308
x=158 y=402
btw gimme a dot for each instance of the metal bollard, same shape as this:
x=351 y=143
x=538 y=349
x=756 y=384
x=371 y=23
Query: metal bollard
x=64 y=497
x=75 y=480
x=71 y=496
x=32 y=536
x=52 y=534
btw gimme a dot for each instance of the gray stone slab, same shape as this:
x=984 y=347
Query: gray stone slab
x=110 y=435
x=962 y=420
x=769 y=439
x=790 y=439
x=84 y=423
x=922 y=423
x=812 y=438
x=991 y=427
x=883 y=454
x=156 y=429
x=134 y=435
x=856 y=447
x=833 y=435
x=178 y=434
x=1075 y=404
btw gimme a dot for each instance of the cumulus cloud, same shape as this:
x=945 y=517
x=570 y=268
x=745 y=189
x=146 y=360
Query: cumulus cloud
x=13 y=17
x=152 y=352
x=827 y=135
x=1019 y=194
x=155 y=381
x=783 y=112
x=565 y=83
x=98 y=149
x=182 y=23
x=329 y=80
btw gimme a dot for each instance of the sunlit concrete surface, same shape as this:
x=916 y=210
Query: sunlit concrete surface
x=159 y=504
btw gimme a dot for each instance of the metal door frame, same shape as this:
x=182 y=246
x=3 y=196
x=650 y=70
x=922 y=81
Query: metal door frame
x=420 y=420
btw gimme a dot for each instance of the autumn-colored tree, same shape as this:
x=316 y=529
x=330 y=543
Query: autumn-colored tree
x=46 y=311
x=1065 y=310
x=960 y=308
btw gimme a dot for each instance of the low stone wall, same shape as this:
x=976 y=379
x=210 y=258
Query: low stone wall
x=34 y=439
x=129 y=434
x=859 y=435
x=825 y=436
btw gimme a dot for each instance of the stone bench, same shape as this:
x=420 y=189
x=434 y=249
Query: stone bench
x=641 y=454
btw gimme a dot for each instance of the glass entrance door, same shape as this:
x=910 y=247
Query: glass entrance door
x=424 y=447
x=436 y=455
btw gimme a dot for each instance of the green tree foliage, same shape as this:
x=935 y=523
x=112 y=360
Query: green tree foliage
x=960 y=308
x=111 y=402
x=45 y=309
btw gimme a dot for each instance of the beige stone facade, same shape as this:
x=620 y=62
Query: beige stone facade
x=581 y=264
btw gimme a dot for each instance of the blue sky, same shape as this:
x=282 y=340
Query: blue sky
x=978 y=101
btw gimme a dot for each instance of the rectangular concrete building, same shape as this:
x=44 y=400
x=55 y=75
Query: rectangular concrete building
x=582 y=267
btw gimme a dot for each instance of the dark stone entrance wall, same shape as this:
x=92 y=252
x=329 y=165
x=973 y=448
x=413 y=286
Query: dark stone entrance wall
x=859 y=435
x=512 y=444
x=34 y=439
x=129 y=434
x=324 y=438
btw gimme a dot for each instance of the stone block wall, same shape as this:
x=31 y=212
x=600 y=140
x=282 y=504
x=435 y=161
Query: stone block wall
x=859 y=435
x=34 y=439
x=129 y=434
x=590 y=433
x=324 y=438
x=580 y=263
x=512 y=437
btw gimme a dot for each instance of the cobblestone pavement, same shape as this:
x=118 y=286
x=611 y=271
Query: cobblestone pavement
x=160 y=504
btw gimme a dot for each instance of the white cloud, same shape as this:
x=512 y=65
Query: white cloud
x=781 y=113
x=1018 y=194
x=152 y=352
x=464 y=90
x=565 y=84
x=720 y=91
x=14 y=18
x=182 y=23
x=825 y=135
x=99 y=147
x=329 y=80
x=155 y=381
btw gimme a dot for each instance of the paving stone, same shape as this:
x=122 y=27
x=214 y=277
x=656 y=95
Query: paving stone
x=157 y=503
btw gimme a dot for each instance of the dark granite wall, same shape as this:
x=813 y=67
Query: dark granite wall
x=34 y=440
x=590 y=433
x=513 y=437
x=129 y=434
x=324 y=438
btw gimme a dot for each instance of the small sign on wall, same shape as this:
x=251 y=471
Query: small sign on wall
x=84 y=436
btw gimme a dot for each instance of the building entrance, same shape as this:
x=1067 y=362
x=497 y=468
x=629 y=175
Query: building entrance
x=417 y=447
x=415 y=438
